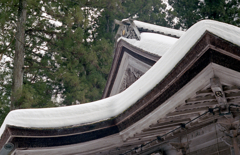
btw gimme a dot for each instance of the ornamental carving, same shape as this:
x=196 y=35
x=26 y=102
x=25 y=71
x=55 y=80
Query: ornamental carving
x=130 y=76
x=128 y=32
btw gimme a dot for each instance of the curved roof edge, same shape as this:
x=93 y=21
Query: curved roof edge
x=115 y=105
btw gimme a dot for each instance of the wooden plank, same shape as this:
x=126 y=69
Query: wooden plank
x=233 y=95
x=186 y=112
x=135 y=141
x=204 y=92
x=210 y=118
x=179 y=117
x=206 y=120
x=231 y=89
x=197 y=105
x=132 y=24
x=201 y=99
x=153 y=133
x=234 y=101
x=161 y=128
x=177 y=122
x=118 y=22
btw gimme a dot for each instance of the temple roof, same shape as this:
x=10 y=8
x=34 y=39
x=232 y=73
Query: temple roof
x=156 y=94
x=113 y=106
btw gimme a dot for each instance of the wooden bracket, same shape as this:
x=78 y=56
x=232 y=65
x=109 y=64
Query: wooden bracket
x=216 y=87
x=181 y=147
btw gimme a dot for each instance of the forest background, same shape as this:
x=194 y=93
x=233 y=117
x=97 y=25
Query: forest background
x=59 y=52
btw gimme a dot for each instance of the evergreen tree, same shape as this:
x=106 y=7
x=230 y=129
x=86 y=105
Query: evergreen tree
x=189 y=12
x=150 y=11
x=58 y=58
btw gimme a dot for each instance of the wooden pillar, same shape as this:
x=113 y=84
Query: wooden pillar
x=232 y=134
x=235 y=146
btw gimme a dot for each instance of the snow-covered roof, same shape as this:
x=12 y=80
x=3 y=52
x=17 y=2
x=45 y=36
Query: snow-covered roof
x=113 y=106
x=151 y=42
x=158 y=29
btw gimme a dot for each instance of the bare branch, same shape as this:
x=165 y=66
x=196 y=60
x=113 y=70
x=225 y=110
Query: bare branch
x=41 y=30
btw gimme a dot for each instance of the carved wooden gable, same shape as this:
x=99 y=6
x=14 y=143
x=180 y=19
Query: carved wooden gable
x=129 y=64
x=130 y=70
x=138 y=46
x=130 y=76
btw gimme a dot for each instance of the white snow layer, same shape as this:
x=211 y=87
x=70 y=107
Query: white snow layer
x=151 y=42
x=113 y=106
x=160 y=29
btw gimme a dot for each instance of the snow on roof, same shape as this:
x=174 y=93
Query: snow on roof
x=113 y=106
x=151 y=42
x=158 y=29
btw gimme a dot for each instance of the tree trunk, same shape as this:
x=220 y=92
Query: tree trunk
x=19 y=56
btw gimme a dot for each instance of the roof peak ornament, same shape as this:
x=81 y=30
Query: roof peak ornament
x=127 y=29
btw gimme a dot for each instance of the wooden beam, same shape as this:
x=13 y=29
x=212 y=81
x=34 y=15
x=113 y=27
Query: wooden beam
x=201 y=99
x=204 y=92
x=233 y=95
x=196 y=105
x=135 y=141
x=206 y=120
x=118 y=22
x=152 y=134
x=132 y=24
x=231 y=89
x=186 y=112
x=170 y=123
x=160 y=129
x=178 y=118
x=234 y=101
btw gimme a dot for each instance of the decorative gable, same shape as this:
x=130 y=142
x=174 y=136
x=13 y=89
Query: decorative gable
x=129 y=64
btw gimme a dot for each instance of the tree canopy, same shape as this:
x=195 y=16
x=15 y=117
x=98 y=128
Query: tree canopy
x=189 y=12
x=59 y=59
